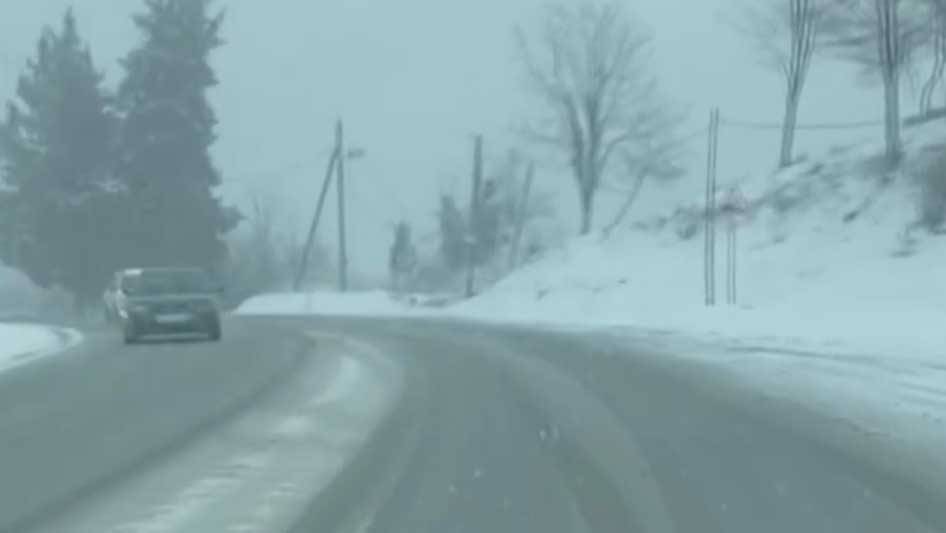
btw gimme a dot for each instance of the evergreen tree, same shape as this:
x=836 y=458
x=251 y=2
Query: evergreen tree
x=453 y=229
x=489 y=223
x=167 y=131
x=57 y=141
x=402 y=257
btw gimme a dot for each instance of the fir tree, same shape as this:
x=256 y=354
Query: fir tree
x=57 y=143
x=167 y=131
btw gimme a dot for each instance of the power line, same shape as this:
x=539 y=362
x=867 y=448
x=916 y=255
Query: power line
x=747 y=124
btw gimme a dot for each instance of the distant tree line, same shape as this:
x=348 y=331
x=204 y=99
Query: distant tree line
x=496 y=241
x=94 y=178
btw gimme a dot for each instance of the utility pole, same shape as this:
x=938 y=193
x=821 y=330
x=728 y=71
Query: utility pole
x=342 y=244
x=310 y=238
x=709 y=253
x=474 y=217
x=521 y=215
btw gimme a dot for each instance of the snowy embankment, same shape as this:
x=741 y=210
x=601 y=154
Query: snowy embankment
x=827 y=259
x=325 y=303
x=21 y=344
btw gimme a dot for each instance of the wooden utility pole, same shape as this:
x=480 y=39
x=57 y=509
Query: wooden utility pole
x=521 y=216
x=709 y=255
x=313 y=227
x=342 y=244
x=474 y=217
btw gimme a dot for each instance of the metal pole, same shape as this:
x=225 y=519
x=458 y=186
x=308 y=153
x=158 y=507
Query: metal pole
x=342 y=245
x=310 y=238
x=474 y=216
x=728 y=266
x=715 y=153
x=709 y=253
x=732 y=259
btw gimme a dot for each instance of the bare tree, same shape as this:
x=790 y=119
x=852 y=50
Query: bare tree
x=936 y=41
x=657 y=157
x=588 y=67
x=785 y=32
x=882 y=36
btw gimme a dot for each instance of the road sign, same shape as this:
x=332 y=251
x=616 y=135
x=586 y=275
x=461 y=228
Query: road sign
x=734 y=206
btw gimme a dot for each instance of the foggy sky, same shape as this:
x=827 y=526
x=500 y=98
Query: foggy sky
x=414 y=80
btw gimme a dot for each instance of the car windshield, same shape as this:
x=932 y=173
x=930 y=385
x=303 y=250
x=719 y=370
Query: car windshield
x=157 y=282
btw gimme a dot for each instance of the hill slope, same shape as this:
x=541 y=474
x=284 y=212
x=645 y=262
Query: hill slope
x=830 y=255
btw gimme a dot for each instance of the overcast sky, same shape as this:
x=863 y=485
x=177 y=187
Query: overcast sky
x=414 y=80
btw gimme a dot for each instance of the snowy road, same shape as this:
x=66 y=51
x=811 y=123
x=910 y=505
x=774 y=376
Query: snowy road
x=514 y=430
x=498 y=429
x=185 y=435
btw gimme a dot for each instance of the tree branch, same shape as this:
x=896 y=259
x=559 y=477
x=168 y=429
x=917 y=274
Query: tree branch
x=626 y=206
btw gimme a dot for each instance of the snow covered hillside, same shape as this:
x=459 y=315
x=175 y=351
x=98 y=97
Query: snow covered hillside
x=830 y=256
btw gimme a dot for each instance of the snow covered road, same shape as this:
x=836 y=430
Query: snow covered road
x=517 y=429
x=21 y=344
x=495 y=428
x=883 y=371
x=218 y=422
x=259 y=472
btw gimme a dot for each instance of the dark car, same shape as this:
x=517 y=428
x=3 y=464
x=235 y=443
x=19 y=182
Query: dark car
x=155 y=301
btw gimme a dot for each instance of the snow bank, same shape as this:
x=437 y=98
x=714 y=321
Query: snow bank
x=862 y=305
x=374 y=303
x=828 y=259
x=21 y=343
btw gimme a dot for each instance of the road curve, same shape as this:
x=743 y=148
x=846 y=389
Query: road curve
x=498 y=429
x=516 y=430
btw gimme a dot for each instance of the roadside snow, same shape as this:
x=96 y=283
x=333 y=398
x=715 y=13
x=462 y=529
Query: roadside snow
x=24 y=343
x=826 y=261
x=860 y=304
x=324 y=303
